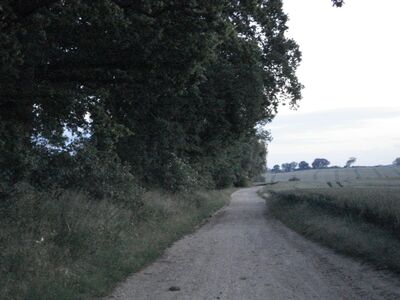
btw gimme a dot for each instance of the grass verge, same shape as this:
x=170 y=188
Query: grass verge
x=74 y=248
x=360 y=222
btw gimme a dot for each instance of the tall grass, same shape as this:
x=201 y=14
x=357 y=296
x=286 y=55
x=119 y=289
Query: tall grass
x=378 y=205
x=66 y=245
x=359 y=221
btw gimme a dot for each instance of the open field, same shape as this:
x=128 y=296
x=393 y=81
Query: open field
x=355 y=211
x=343 y=174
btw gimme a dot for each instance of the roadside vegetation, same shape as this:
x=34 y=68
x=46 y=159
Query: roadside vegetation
x=69 y=246
x=358 y=217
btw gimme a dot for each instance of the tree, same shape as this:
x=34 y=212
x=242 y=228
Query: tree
x=396 y=162
x=304 y=165
x=285 y=167
x=338 y=3
x=320 y=163
x=171 y=87
x=276 y=169
x=289 y=167
x=236 y=89
x=351 y=161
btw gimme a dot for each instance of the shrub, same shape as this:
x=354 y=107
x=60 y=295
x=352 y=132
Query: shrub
x=242 y=181
x=177 y=175
x=224 y=176
x=100 y=174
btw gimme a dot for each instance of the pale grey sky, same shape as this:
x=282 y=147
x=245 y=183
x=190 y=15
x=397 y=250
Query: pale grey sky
x=350 y=106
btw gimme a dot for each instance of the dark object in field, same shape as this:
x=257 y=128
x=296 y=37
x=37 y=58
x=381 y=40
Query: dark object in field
x=329 y=183
x=294 y=178
x=271 y=183
x=339 y=184
x=338 y=3
x=260 y=184
x=174 y=289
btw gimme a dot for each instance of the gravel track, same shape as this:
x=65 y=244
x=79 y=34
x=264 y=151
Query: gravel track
x=244 y=253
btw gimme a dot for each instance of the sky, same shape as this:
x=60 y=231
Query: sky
x=351 y=100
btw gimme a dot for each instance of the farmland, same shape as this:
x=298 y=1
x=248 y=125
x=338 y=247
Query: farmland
x=355 y=211
x=345 y=175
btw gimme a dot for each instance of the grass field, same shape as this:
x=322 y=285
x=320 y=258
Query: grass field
x=356 y=211
x=347 y=175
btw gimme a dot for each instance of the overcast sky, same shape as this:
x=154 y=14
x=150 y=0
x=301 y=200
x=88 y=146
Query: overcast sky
x=350 y=106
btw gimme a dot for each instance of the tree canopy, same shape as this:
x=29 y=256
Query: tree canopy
x=276 y=168
x=320 y=163
x=303 y=165
x=350 y=161
x=338 y=3
x=169 y=91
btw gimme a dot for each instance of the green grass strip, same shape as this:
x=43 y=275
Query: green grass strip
x=342 y=229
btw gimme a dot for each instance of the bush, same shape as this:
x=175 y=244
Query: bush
x=100 y=174
x=224 y=176
x=242 y=181
x=177 y=175
x=103 y=176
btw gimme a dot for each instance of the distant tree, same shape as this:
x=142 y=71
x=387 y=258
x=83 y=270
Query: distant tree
x=289 y=167
x=351 y=161
x=285 y=167
x=293 y=165
x=320 y=163
x=303 y=165
x=276 y=169
x=396 y=162
x=338 y=3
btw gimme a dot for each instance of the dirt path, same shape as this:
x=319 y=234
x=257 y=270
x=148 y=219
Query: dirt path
x=243 y=253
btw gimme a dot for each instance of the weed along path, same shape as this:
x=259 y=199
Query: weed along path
x=243 y=253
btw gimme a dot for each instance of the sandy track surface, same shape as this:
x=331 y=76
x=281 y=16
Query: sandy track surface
x=244 y=253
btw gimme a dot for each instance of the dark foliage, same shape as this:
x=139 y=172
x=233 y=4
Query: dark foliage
x=303 y=165
x=171 y=89
x=320 y=163
x=350 y=161
x=338 y=3
x=276 y=169
x=99 y=99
